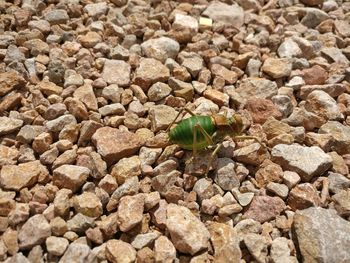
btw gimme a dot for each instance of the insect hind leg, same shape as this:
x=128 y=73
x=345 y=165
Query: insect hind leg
x=177 y=116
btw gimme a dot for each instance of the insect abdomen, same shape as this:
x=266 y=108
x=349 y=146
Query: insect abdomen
x=182 y=134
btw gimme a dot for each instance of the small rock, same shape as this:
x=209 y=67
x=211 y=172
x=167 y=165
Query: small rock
x=158 y=91
x=225 y=242
x=56 y=125
x=76 y=252
x=243 y=199
x=342 y=202
x=119 y=251
x=149 y=72
x=36 y=224
x=57 y=16
x=280 y=251
x=337 y=182
x=277 y=67
x=217 y=97
x=289 y=49
x=161 y=117
x=116 y=72
x=56 y=245
x=88 y=204
x=303 y=196
x=96 y=10
x=262 y=109
x=9 y=81
x=130 y=212
x=126 y=168
x=229 y=76
x=321 y=235
x=225 y=176
x=315 y=75
x=160 y=48
x=280 y=190
x=9 y=125
x=231 y=15
x=313 y=17
x=86 y=95
x=340 y=133
x=257 y=246
x=257 y=87
x=291 y=179
x=164 y=250
x=70 y=176
x=298 y=159
x=16 y=177
x=143 y=240
x=187 y=232
x=125 y=143
x=264 y=208
x=334 y=55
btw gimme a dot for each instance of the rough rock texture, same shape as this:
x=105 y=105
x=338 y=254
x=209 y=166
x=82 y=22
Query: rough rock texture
x=322 y=235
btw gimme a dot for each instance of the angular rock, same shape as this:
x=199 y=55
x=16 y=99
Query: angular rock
x=118 y=251
x=70 y=176
x=34 y=232
x=56 y=245
x=262 y=109
x=124 y=144
x=322 y=235
x=340 y=133
x=9 y=81
x=88 y=204
x=342 y=202
x=257 y=87
x=231 y=15
x=225 y=242
x=149 y=72
x=187 y=232
x=9 y=125
x=160 y=48
x=277 y=67
x=306 y=161
x=264 y=208
x=303 y=196
x=76 y=252
x=161 y=117
x=126 y=168
x=164 y=250
x=16 y=177
x=130 y=212
x=116 y=72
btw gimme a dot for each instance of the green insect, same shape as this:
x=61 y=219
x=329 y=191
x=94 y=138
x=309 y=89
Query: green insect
x=199 y=132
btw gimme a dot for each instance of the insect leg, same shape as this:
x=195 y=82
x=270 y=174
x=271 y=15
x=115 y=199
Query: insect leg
x=177 y=116
x=212 y=156
x=207 y=137
x=247 y=137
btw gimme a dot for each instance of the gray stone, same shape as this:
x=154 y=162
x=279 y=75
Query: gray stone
x=231 y=15
x=160 y=48
x=77 y=253
x=226 y=176
x=116 y=72
x=9 y=125
x=306 y=161
x=337 y=182
x=322 y=235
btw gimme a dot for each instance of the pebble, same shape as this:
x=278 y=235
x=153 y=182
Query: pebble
x=9 y=125
x=280 y=251
x=231 y=15
x=150 y=71
x=225 y=242
x=161 y=117
x=337 y=182
x=116 y=72
x=36 y=224
x=125 y=143
x=160 y=48
x=257 y=87
x=341 y=202
x=126 y=168
x=76 y=252
x=17 y=177
x=264 y=208
x=130 y=212
x=303 y=196
x=306 y=161
x=56 y=245
x=225 y=176
x=88 y=204
x=319 y=232
x=164 y=250
x=257 y=246
x=340 y=134
x=277 y=68
x=120 y=251
x=188 y=233
x=262 y=109
x=70 y=176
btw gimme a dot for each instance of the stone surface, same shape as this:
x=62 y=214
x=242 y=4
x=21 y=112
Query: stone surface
x=188 y=233
x=34 y=232
x=16 y=177
x=116 y=72
x=306 y=161
x=130 y=212
x=120 y=251
x=264 y=208
x=303 y=196
x=321 y=235
x=70 y=176
x=231 y=15
x=160 y=48
x=125 y=143
x=225 y=242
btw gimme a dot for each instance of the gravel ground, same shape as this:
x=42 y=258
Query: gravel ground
x=88 y=88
